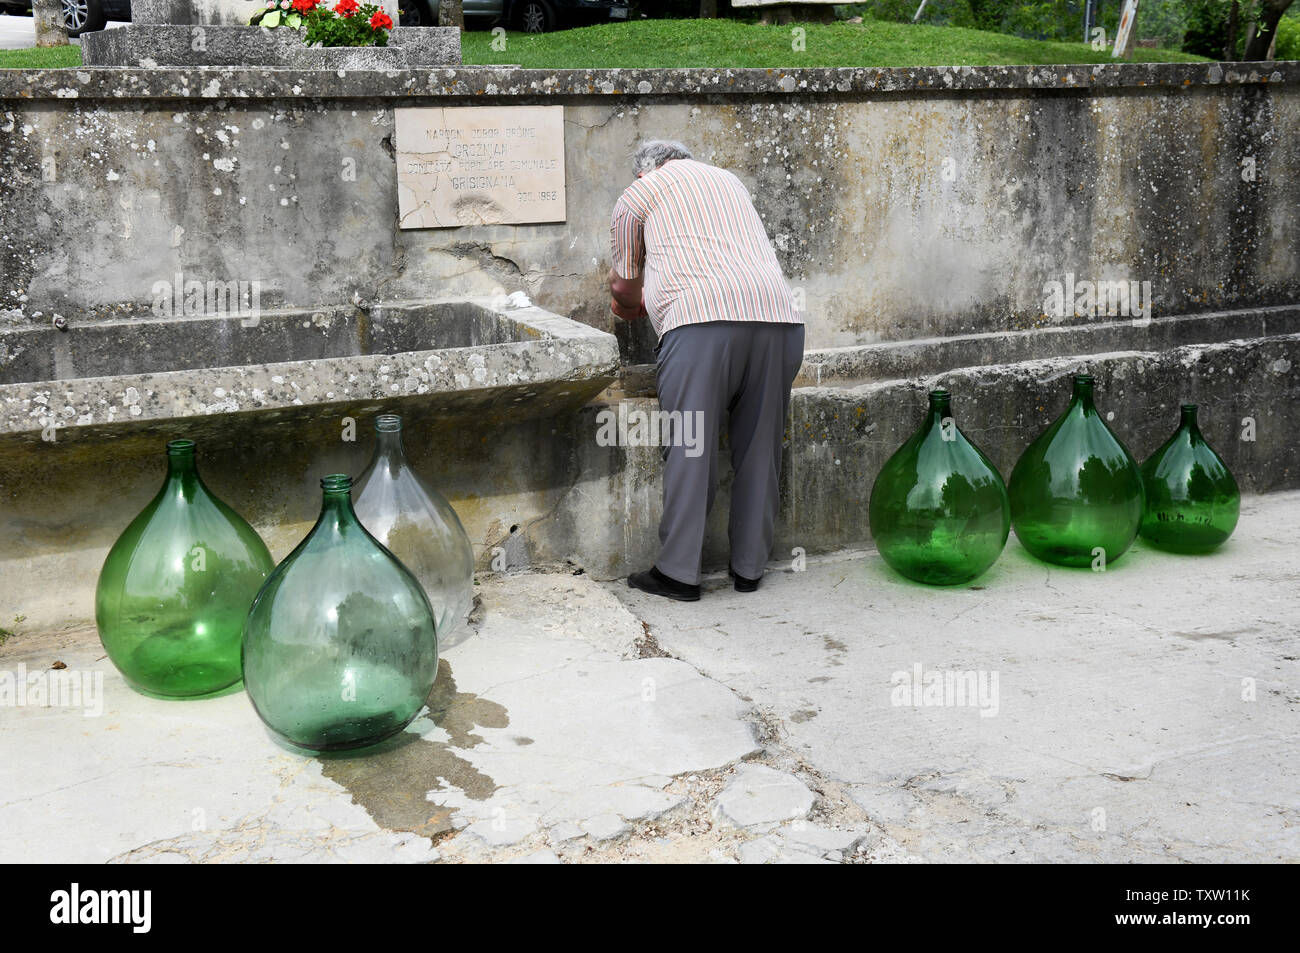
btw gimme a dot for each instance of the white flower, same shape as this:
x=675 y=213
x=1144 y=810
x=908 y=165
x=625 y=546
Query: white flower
x=270 y=4
x=284 y=4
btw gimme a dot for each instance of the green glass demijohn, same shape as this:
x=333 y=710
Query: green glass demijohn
x=1192 y=501
x=1076 y=493
x=340 y=646
x=418 y=526
x=176 y=586
x=939 y=509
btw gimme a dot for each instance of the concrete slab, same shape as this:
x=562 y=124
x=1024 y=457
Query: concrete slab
x=550 y=722
x=758 y=795
x=1147 y=713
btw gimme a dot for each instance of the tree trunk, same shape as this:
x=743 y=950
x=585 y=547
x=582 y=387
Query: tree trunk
x=1230 y=42
x=47 y=16
x=1270 y=12
x=451 y=13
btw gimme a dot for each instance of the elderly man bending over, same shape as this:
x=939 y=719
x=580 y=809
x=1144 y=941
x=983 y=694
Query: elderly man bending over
x=691 y=252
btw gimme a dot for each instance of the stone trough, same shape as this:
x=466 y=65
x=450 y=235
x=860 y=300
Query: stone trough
x=275 y=401
x=457 y=357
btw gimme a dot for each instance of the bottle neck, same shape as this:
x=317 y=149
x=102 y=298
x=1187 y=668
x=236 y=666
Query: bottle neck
x=336 y=513
x=1189 y=423
x=390 y=454
x=182 y=473
x=388 y=445
x=940 y=408
x=1082 y=397
x=336 y=507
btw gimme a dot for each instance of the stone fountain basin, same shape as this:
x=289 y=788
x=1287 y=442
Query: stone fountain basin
x=920 y=358
x=470 y=357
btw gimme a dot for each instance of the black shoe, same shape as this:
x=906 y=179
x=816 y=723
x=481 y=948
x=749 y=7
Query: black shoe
x=743 y=584
x=657 y=584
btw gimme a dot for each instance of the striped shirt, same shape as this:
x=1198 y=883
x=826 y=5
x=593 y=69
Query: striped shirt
x=693 y=229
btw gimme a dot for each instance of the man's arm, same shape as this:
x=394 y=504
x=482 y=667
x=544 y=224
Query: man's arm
x=627 y=232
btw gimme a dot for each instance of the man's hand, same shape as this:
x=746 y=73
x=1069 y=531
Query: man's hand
x=627 y=314
x=626 y=296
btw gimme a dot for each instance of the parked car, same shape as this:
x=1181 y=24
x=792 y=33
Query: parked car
x=532 y=16
x=86 y=16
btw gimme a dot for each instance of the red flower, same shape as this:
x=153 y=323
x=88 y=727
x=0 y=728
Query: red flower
x=381 y=21
x=345 y=8
x=305 y=6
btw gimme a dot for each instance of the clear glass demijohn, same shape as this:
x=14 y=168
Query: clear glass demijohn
x=417 y=524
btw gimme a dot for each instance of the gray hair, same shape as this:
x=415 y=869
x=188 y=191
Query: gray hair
x=651 y=155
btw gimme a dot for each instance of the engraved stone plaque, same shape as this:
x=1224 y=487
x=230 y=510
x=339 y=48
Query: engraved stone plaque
x=479 y=165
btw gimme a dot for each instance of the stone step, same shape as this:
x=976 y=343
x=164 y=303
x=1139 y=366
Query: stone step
x=898 y=360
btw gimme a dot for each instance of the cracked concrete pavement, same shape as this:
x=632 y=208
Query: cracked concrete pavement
x=1147 y=713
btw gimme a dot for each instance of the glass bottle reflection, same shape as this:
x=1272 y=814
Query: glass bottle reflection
x=1192 y=500
x=340 y=647
x=172 y=596
x=939 y=510
x=417 y=524
x=1076 y=493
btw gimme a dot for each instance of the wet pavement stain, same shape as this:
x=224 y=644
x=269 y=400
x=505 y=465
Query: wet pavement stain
x=391 y=780
x=836 y=649
x=459 y=713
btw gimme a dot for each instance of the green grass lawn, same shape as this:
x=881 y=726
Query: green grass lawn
x=664 y=43
x=54 y=57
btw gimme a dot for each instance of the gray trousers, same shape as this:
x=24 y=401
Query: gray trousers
x=743 y=370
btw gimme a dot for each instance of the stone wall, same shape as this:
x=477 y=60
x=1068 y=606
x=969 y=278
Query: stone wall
x=903 y=203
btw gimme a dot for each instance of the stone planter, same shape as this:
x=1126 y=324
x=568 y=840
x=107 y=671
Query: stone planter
x=169 y=44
